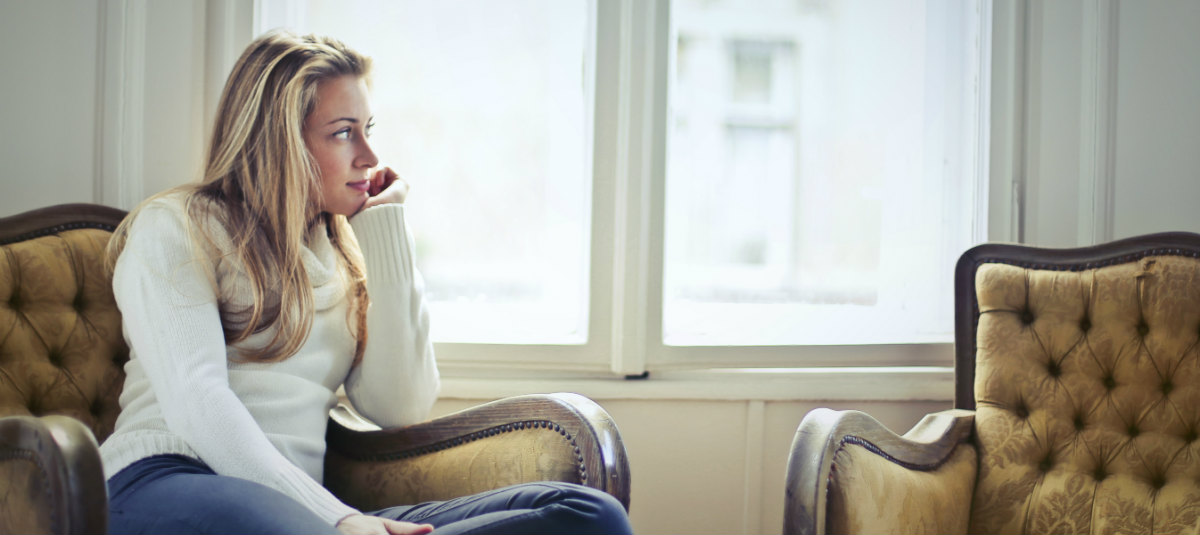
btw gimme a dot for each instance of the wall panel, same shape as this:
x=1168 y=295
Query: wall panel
x=1158 y=118
x=48 y=53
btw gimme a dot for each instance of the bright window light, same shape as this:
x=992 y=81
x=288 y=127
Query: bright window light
x=821 y=170
x=483 y=107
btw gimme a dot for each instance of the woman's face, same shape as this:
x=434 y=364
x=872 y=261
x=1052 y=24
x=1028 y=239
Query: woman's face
x=336 y=134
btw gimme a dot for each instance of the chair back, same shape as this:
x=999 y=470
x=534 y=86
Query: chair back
x=1083 y=366
x=61 y=346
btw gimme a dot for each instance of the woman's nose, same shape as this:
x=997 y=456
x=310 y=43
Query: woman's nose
x=366 y=156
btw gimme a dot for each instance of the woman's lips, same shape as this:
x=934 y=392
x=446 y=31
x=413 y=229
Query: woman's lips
x=360 y=185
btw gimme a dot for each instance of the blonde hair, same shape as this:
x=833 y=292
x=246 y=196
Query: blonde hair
x=262 y=183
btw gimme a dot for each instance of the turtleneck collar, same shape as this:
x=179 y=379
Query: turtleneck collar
x=320 y=259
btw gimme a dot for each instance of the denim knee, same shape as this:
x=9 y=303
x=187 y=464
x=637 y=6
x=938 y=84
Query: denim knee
x=597 y=511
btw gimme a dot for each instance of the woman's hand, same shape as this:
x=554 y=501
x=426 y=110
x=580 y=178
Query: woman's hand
x=386 y=187
x=373 y=525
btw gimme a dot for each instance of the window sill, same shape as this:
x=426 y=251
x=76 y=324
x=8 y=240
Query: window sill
x=917 y=383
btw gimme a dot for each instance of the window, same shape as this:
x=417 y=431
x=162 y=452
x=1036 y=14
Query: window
x=817 y=152
x=627 y=185
x=487 y=117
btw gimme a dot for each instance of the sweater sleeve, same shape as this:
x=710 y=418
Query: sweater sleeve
x=397 y=381
x=167 y=297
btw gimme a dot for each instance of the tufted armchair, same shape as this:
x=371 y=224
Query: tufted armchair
x=1077 y=406
x=61 y=371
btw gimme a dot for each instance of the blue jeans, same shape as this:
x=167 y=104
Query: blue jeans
x=176 y=494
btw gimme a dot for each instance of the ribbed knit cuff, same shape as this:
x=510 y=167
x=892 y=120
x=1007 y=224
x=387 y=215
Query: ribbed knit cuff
x=330 y=510
x=122 y=450
x=383 y=236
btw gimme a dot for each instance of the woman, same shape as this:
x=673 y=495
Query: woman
x=245 y=304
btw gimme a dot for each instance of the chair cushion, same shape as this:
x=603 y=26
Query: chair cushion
x=1088 y=398
x=61 y=345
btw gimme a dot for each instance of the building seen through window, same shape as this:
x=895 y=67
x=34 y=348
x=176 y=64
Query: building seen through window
x=818 y=155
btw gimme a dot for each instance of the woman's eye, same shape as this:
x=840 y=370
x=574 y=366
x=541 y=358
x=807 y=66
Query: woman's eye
x=370 y=128
x=342 y=134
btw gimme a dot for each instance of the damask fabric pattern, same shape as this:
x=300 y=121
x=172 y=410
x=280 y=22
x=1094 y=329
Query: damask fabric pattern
x=1087 y=391
x=488 y=463
x=61 y=349
x=899 y=500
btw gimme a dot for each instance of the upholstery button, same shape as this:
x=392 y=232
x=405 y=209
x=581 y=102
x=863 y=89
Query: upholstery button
x=1027 y=316
x=1078 y=422
x=1158 y=481
x=1133 y=431
x=1143 y=329
x=1190 y=435
x=1109 y=382
x=1046 y=463
x=1100 y=473
x=1167 y=387
x=14 y=302
x=1054 y=369
x=1085 y=324
x=1021 y=411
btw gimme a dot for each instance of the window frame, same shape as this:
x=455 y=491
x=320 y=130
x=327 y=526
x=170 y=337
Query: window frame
x=630 y=68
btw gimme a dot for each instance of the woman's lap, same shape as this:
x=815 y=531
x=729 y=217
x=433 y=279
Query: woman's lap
x=175 y=494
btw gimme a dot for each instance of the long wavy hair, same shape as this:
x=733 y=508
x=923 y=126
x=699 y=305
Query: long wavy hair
x=263 y=185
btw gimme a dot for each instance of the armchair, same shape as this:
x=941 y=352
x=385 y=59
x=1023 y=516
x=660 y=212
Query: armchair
x=62 y=355
x=1077 y=406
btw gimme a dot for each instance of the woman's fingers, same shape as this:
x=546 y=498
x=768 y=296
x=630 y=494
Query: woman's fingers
x=382 y=179
x=373 y=525
x=395 y=527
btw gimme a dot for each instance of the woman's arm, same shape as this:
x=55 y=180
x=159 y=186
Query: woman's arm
x=397 y=381
x=167 y=296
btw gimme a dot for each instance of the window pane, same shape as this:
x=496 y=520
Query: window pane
x=820 y=154
x=482 y=106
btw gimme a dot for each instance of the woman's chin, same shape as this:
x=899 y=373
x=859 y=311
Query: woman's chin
x=348 y=206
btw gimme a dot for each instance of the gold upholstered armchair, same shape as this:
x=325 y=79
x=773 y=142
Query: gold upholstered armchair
x=1077 y=406
x=62 y=355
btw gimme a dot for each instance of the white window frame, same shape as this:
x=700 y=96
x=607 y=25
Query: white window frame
x=631 y=74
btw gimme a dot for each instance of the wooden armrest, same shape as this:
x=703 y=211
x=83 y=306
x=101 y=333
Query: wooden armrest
x=543 y=437
x=51 y=479
x=825 y=433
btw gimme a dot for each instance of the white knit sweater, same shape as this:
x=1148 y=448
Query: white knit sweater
x=264 y=422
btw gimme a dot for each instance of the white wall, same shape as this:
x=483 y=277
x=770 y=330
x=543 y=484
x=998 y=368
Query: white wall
x=1157 y=120
x=102 y=101
x=175 y=124
x=49 y=103
x=1110 y=126
x=1096 y=129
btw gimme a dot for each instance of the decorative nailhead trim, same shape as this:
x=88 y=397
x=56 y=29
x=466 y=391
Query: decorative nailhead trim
x=581 y=469
x=58 y=229
x=29 y=456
